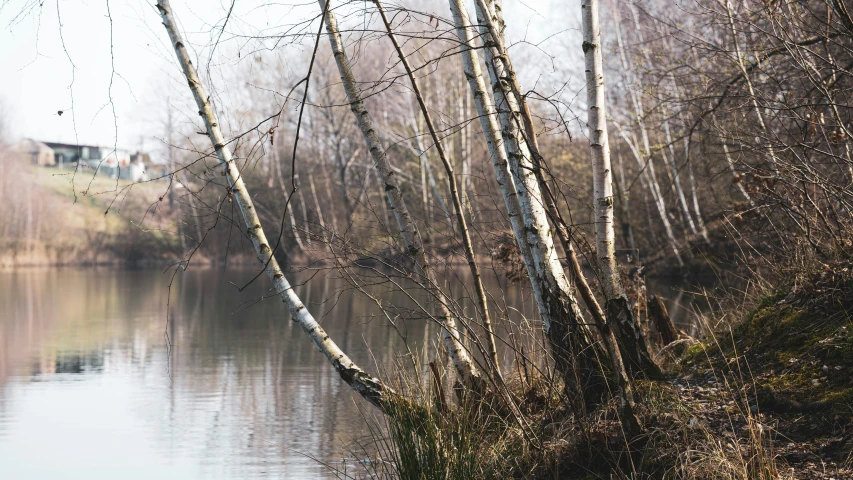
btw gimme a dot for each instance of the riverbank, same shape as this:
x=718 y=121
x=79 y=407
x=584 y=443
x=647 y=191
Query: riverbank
x=786 y=368
x=67 y=218
x=766 y=394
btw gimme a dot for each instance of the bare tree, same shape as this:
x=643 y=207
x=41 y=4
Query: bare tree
x=463 y=362
x=371 y=388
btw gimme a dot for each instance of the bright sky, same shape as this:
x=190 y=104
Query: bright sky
x=38 y=72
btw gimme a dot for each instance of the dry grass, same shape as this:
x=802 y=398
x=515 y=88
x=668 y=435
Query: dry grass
x=710 y=420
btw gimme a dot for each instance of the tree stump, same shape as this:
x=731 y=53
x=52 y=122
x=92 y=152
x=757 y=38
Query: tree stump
x=660 y=322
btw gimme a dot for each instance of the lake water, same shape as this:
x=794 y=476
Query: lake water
x=90 y=388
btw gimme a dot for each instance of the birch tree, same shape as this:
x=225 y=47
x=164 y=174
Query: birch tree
x=460 y=357
x=571 y=344
x=643 y=156
x=668 y=160
x=618 y=309
x=369 y=387
x=771 y=153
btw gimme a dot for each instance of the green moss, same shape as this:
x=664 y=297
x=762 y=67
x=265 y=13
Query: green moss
x=694 y=351
x=800 y=346
x=842 y=399
x=770 y=300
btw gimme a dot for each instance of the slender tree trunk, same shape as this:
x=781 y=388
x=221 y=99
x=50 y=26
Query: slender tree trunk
x=373 y=390
x=573 y=348
x=685 y=140
x=619 y=314
x=461 y=359
x=676 y=180
x=457 y=202
x=465 y=153
x=649 y=182
x=427 y=167
x=628 y=335
x=425 y=198
x=491 y=130
x=694 y=196
x=382 y=206
x=669 y=161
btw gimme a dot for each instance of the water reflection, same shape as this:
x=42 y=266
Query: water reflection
x=86 y=374
x=90 y=389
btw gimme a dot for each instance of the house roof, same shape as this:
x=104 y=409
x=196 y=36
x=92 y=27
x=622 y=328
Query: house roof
x=30 y=145
x=68 y=145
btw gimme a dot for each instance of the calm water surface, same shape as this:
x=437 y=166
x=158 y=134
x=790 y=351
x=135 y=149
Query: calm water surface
x=89 y=388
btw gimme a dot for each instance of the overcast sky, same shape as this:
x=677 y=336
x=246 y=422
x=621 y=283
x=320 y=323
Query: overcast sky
x=38 y=71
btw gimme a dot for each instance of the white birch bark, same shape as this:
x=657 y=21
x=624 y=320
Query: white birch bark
x=503 y=75
x=686 y=146
x=460 y=357
x=425 y=195
x=669 y=161
x=648 y=182
x=494 y=142
x=599 y=146
x=673 y=167
x=465 y=152
x=538 y=233
x=619 y=313
x=368 y=386
x=574 y=351
x=695 y=198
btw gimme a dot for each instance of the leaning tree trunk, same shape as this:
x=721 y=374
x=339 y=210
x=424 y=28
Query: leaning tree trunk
x=625 y=331
x=494 y=142
x=467 y=244
x=676 y=179
x=685 y=140
x=493 y=23
x=369 y=387
x=619 y=314
x=460 y=357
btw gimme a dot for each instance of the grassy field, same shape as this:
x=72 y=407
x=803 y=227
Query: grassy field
x=71 y=218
